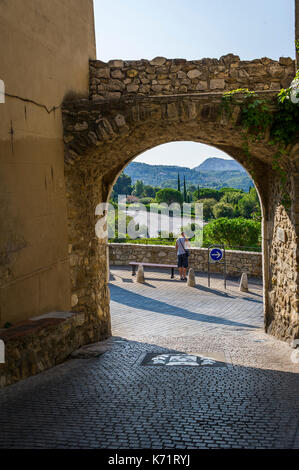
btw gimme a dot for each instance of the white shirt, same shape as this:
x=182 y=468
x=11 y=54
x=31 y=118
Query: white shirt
x=182 y=245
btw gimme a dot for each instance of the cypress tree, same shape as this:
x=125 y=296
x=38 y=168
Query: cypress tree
x=179 y=183
x=185 y=190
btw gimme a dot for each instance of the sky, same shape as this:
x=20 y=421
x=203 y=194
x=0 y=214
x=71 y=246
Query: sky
x=192 y=29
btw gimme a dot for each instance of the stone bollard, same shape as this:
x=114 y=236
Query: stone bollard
x=191 y=278
x=140 y=275
x=244 y=283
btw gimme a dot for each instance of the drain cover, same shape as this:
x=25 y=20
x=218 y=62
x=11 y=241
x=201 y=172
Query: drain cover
x=184 y=359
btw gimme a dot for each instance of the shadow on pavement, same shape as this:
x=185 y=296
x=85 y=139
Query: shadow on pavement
x=141 y=302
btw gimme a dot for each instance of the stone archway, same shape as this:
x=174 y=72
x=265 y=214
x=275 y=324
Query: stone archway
x=102 y=137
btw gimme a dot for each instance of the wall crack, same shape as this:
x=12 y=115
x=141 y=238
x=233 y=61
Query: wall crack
x=28 y=100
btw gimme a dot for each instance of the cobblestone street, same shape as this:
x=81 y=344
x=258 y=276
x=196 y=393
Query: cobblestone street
x=119 y=401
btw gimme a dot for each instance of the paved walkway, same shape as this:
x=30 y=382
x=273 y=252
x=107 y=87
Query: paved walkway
x=166 y=307
x=239 y=389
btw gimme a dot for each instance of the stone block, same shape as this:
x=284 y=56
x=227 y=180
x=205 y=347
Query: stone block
x=132 y=73
x=103 y=73
x=74 y=300
x=132 y=88
x=286 y=61
x=158 y=61
x=217 y=83
x=202 y=85
x=116 y=63
x=195 y=73
x=276 y=71
x=115 y=85
x=140 y=275
x=117 y=74
x=191 y=278
x=113 y=95
x=120 y=120
x=157 y=88
x=244 y=283
x=144 y=88
x=81 y=126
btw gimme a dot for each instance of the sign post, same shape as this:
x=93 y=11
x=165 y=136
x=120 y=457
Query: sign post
x=2 y=352
x=216 y=254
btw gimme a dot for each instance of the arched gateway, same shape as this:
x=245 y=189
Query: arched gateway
x=137 y=105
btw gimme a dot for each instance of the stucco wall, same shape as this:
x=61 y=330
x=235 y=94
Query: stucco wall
x=297 y=27
x=237 y=262
x=44 y=48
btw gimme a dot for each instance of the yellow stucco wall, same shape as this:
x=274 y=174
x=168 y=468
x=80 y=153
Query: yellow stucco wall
x=45 y=46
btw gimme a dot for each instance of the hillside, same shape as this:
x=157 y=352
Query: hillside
x=219 y=164
x=232 y=175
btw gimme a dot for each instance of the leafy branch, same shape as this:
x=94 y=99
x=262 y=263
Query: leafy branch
x=258 y=117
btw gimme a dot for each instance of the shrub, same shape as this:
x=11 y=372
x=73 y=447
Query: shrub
x=223 y=209
x=146 y=200
x=208 y=205
x=238 y=232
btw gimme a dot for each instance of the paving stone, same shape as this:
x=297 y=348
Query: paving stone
x=112 y=401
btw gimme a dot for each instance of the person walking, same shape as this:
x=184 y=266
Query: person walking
x=183 y=254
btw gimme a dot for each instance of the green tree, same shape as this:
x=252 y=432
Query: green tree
x=230 y=190
x=122 y=186
x=232 y=197
x=185 y=190
x=222 y=209
x=149 y=191
x=191 y=188
x=238 y=232
x=208 y=205
x=179 y=183
x=139 y=188
x=113 y=225
x=207 y=193
x=249 y=205
x=169 y=196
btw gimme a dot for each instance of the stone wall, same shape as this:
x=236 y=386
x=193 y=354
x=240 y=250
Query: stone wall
x=238 y=262
x=283 y=319
x=178 y=76
x=87 y=254
x=40 y=343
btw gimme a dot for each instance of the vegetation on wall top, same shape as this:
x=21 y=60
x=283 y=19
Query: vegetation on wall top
x=259 y=117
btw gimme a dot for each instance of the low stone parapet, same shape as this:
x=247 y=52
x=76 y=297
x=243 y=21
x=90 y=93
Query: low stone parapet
x=237 y=262
x=40 y=343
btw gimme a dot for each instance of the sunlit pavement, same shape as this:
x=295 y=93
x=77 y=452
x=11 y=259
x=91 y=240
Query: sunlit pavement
x=235 y=386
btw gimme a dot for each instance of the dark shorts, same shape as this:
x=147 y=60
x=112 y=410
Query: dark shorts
x=182 y=261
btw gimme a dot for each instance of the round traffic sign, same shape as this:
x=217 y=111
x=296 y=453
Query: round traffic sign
x=216 y=254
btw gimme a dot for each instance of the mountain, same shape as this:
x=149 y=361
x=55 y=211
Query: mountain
x=219 y=164
x=165 y=176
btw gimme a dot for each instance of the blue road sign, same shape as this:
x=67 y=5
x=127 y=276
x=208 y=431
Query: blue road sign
x=216 y=254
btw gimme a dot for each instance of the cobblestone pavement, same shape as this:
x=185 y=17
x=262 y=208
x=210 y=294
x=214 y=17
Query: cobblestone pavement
x=112 y=401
